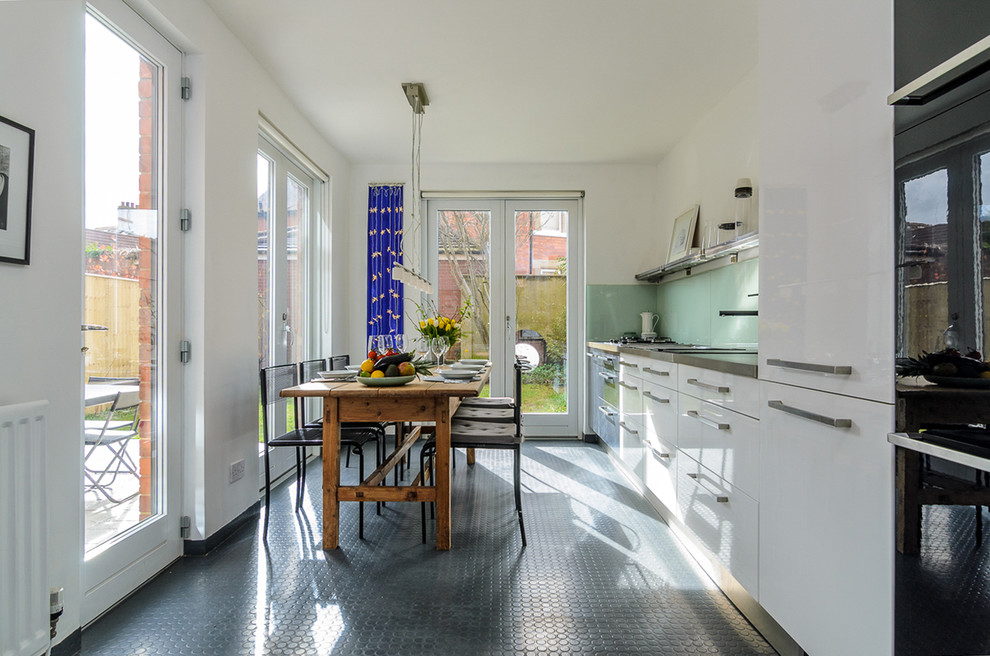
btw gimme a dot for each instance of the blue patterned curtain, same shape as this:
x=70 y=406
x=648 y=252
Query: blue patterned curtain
x=384 y=242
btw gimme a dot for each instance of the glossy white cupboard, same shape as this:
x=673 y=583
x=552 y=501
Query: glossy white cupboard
x=827 y=323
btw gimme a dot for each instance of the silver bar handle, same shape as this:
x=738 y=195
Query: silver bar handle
x=708 y=422
x=650 y=370
x=593 y=355
x=838 y=370
x=623 y=425
x=628 y=364
x=606 y=411
x=721 y=389
x=655 y=398
x=627 y=385
x=608 y=377
x=658 y=454
x=804 y=414
x=720 y=498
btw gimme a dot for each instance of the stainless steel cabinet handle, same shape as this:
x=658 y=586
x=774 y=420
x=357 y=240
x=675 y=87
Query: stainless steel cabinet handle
x=608 y=377
x=627 y=385
x=628 y=364
x=718 y=497
x=810 y=366
x=594 y=355
x=804 y=414
x=655 y=398
x=706 y=421
x=649 y=370
x=623 y=425
x=658 y=454
x=606 y=411
x=721 y=389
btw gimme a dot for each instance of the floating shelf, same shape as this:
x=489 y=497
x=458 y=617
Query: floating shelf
x=713 y=258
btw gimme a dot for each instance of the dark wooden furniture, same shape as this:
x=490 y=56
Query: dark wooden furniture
x=923 y=405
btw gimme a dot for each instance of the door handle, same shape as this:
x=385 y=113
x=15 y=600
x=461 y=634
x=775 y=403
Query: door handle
x=721 y=389
x=813 y=416
x=838 y=370
x=707 y=422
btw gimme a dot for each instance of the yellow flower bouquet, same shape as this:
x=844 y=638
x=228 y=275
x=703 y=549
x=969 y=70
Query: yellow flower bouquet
x=433 y=324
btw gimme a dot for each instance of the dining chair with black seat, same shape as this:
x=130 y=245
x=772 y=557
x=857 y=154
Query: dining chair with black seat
x=491 y=434
x=113 y=434
x=274 y=379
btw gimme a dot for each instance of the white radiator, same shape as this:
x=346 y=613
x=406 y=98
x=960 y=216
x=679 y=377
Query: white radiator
x=24 y=603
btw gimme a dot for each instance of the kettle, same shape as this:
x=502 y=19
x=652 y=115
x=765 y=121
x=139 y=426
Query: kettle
x=650 y=321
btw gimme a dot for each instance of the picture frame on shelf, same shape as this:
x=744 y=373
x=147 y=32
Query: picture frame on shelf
x=16 y=182
x=682 y=236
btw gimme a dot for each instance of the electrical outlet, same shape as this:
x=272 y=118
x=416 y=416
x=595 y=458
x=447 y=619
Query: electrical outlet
x=236 y=471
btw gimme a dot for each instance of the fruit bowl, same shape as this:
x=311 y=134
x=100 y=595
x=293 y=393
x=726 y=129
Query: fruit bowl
x=388 y=381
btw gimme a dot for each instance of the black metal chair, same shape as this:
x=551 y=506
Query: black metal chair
x=113 y=433
x=480 y=434
x=274 y=379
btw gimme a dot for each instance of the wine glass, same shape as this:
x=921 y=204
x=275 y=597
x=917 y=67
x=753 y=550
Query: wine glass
x=372 y=343
x=439 y=346
x=386 y=343
x=400 y=343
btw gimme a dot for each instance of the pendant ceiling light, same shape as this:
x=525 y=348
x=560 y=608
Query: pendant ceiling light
x=418 y=100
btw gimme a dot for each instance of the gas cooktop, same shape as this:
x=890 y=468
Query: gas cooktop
x=641 y=340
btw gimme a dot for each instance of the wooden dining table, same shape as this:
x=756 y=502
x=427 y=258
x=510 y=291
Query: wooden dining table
x=429 y=403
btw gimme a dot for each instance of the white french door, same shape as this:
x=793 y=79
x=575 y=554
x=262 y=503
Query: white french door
x=133 y=302
x=510 y=258
x=286 y=204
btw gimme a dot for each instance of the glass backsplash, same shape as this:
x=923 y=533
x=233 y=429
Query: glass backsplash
x=688 y=308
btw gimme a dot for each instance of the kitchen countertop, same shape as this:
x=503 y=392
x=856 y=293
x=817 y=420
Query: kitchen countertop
x=739 y=364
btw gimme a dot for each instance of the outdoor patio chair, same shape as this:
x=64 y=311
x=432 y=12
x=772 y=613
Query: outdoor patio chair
x=111 y=435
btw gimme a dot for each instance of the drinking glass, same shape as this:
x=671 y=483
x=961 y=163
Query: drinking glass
x=386 y=343
x=372 y=343
x=400 y=343
x=439 y=346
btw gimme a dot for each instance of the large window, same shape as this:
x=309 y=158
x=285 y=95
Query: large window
x=944 y=246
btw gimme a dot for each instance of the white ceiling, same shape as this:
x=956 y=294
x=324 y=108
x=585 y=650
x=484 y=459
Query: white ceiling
x=509 y=81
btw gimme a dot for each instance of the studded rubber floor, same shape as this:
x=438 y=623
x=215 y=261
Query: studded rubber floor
x=602 y=574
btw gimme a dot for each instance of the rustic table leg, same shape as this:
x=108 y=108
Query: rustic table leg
x=331 y=473
x=470 y=456
x=908 y=509
x=443 y=476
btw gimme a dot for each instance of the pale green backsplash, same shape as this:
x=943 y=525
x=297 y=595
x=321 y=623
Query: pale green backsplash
x=689 y=307
x=614 y=309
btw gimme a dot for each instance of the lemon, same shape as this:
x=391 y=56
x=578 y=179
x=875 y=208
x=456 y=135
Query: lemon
x=367 y=365
x=378 y=374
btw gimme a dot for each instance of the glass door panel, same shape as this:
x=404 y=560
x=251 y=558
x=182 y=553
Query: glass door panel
x=464 y=248
x=541 y=307
x=132 y=305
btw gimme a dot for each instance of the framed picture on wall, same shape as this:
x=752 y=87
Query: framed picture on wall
x=16 y=179
x=683 y=235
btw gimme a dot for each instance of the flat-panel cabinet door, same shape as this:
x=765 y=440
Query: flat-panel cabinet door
x=826 y=196
x=631 y=448
x=827 y=520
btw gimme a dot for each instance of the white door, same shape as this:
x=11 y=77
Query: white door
x=133 y=305
x=286 y=198
x=510 y=258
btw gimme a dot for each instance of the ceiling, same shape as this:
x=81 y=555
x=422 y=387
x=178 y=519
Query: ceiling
x=512 y=81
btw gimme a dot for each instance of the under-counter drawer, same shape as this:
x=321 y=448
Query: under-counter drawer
x=723 y=519
x=725 y=442
x=660 y=471
x=659 y=372
x=660 y=413
x=631 y=447
x=631 y=400
x=731 y=391
x=605 y=423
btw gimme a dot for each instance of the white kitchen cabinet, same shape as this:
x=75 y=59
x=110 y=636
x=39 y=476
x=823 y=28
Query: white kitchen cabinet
x=738 y=393
x=660 y=413
x=826 y=196
x=723 y=519
x=827 y=520
x=661 y=373
x=726 y=442
x=660 y=471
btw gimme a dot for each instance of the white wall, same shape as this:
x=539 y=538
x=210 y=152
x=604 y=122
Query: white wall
x=704 y=165
x=230 y=88
x=41 y=77
x=618 y=211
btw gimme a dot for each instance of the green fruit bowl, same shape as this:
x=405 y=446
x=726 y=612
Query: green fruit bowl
x=393 y=381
